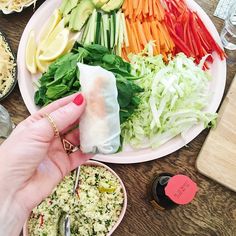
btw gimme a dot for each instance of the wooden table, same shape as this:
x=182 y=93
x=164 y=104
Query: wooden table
x=213 y=211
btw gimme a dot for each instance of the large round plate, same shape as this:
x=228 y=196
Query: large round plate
x=128 y=155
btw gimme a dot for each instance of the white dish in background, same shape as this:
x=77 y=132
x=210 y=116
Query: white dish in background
x=128 y=155
x=7 y=12
x=95 y=163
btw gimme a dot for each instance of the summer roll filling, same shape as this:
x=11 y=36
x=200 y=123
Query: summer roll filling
x=100 y=123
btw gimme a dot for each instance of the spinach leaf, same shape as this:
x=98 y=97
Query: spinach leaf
x=62 y=77
x=55 y=92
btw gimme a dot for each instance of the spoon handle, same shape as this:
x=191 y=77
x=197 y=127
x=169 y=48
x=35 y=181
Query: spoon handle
x=76 y=180
x=67 y=225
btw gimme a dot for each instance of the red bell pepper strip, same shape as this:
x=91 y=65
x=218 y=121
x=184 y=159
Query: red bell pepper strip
x=210 y=38
x=180 y=43
x=198 y=45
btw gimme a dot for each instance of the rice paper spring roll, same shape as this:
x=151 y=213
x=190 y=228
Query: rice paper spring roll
x=100 y=123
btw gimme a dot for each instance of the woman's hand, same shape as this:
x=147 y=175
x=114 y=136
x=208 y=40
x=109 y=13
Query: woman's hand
x=33 y=161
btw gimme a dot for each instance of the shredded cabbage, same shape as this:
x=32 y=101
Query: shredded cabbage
x=173 y=100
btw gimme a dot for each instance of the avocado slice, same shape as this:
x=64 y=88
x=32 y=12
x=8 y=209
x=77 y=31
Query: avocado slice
x=112 y=5
x=63 y=5
x=99 y=3
x=71 y=4
x=80 y=14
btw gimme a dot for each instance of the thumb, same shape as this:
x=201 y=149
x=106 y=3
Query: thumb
x=62 y=118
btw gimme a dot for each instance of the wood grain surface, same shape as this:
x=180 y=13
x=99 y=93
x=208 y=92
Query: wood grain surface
x=213 y=211
x=217 y=158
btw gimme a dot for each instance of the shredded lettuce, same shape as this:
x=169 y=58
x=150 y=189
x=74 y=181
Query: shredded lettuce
x=173 y=100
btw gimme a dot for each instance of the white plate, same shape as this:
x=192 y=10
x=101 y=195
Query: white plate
x=217 y=85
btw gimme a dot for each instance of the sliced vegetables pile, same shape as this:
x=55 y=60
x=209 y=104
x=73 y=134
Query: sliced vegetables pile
x=172 y=102
x=62 y=77
x=145 y=22
x=189 y=33
x=77 y=12
x=108 y=30
x=157 y=50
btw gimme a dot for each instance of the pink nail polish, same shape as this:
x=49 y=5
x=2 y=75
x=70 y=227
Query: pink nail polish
x=78 y=99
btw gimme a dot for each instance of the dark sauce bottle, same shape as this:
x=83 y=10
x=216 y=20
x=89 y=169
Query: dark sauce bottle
x=160 y=200
x=169 y=191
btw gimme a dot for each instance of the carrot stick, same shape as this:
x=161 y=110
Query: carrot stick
x=150 y=7
x=155 y=36
x=170 y=41
x=145 y=11
x=135 y=4
x=161 y=10
x=131 y=9
x=141 y=33
x=162 y=39
x=135 y=34
x=155 y=52
x=147 y=31
x=139 y=8
x=165 y=57
x=164 y=32
x=124 y=6
x=124 y=54
x=131 y=43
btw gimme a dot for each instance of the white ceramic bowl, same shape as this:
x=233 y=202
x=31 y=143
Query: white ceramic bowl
x=95 y=163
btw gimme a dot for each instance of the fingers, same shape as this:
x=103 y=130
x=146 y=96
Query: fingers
x=62 y=118
x=49 y=109
x=56 y=105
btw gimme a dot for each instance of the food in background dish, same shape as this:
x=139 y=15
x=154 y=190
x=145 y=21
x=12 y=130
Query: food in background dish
x=94 y=210
x=14 y=5
x=7 y=67
x=100 y=123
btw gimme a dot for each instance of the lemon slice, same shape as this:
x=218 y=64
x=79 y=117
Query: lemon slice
x=53 y=34
x=50 y=25
x=30 y=53
x=71 y=42
x=56 y=47
x=41 y=65
x=106 y=187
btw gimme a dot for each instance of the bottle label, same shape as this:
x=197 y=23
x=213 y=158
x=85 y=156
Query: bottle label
x=181 y=189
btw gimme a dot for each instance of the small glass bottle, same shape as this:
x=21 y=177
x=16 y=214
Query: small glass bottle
x=168 y=191
x=6 y=125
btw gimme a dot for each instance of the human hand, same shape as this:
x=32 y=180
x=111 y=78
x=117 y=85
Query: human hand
x=33 y=161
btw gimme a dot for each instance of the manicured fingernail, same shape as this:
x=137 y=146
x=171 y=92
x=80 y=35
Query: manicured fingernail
x=78 y=99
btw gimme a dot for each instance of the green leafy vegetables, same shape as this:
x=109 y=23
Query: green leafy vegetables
x=62 y=77
x=173 y=100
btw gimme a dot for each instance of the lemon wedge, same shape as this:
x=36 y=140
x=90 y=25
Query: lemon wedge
x=56 y=47
x=52 y=35
x=106 y=187
x=72 y=39
x=30 y=58
x=50 y=25
x=41 y=65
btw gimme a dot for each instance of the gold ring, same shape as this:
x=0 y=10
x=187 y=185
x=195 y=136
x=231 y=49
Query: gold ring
x=54 y=126
x=69 y=147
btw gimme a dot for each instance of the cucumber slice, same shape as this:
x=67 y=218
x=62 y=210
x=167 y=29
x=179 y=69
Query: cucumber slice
x=85 y=31
x=98 y=28
x=126 y=39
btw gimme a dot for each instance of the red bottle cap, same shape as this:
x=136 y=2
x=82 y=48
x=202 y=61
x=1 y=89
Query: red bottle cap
x=181 y=189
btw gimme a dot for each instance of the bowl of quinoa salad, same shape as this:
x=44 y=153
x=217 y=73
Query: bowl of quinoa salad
x=97 y=208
